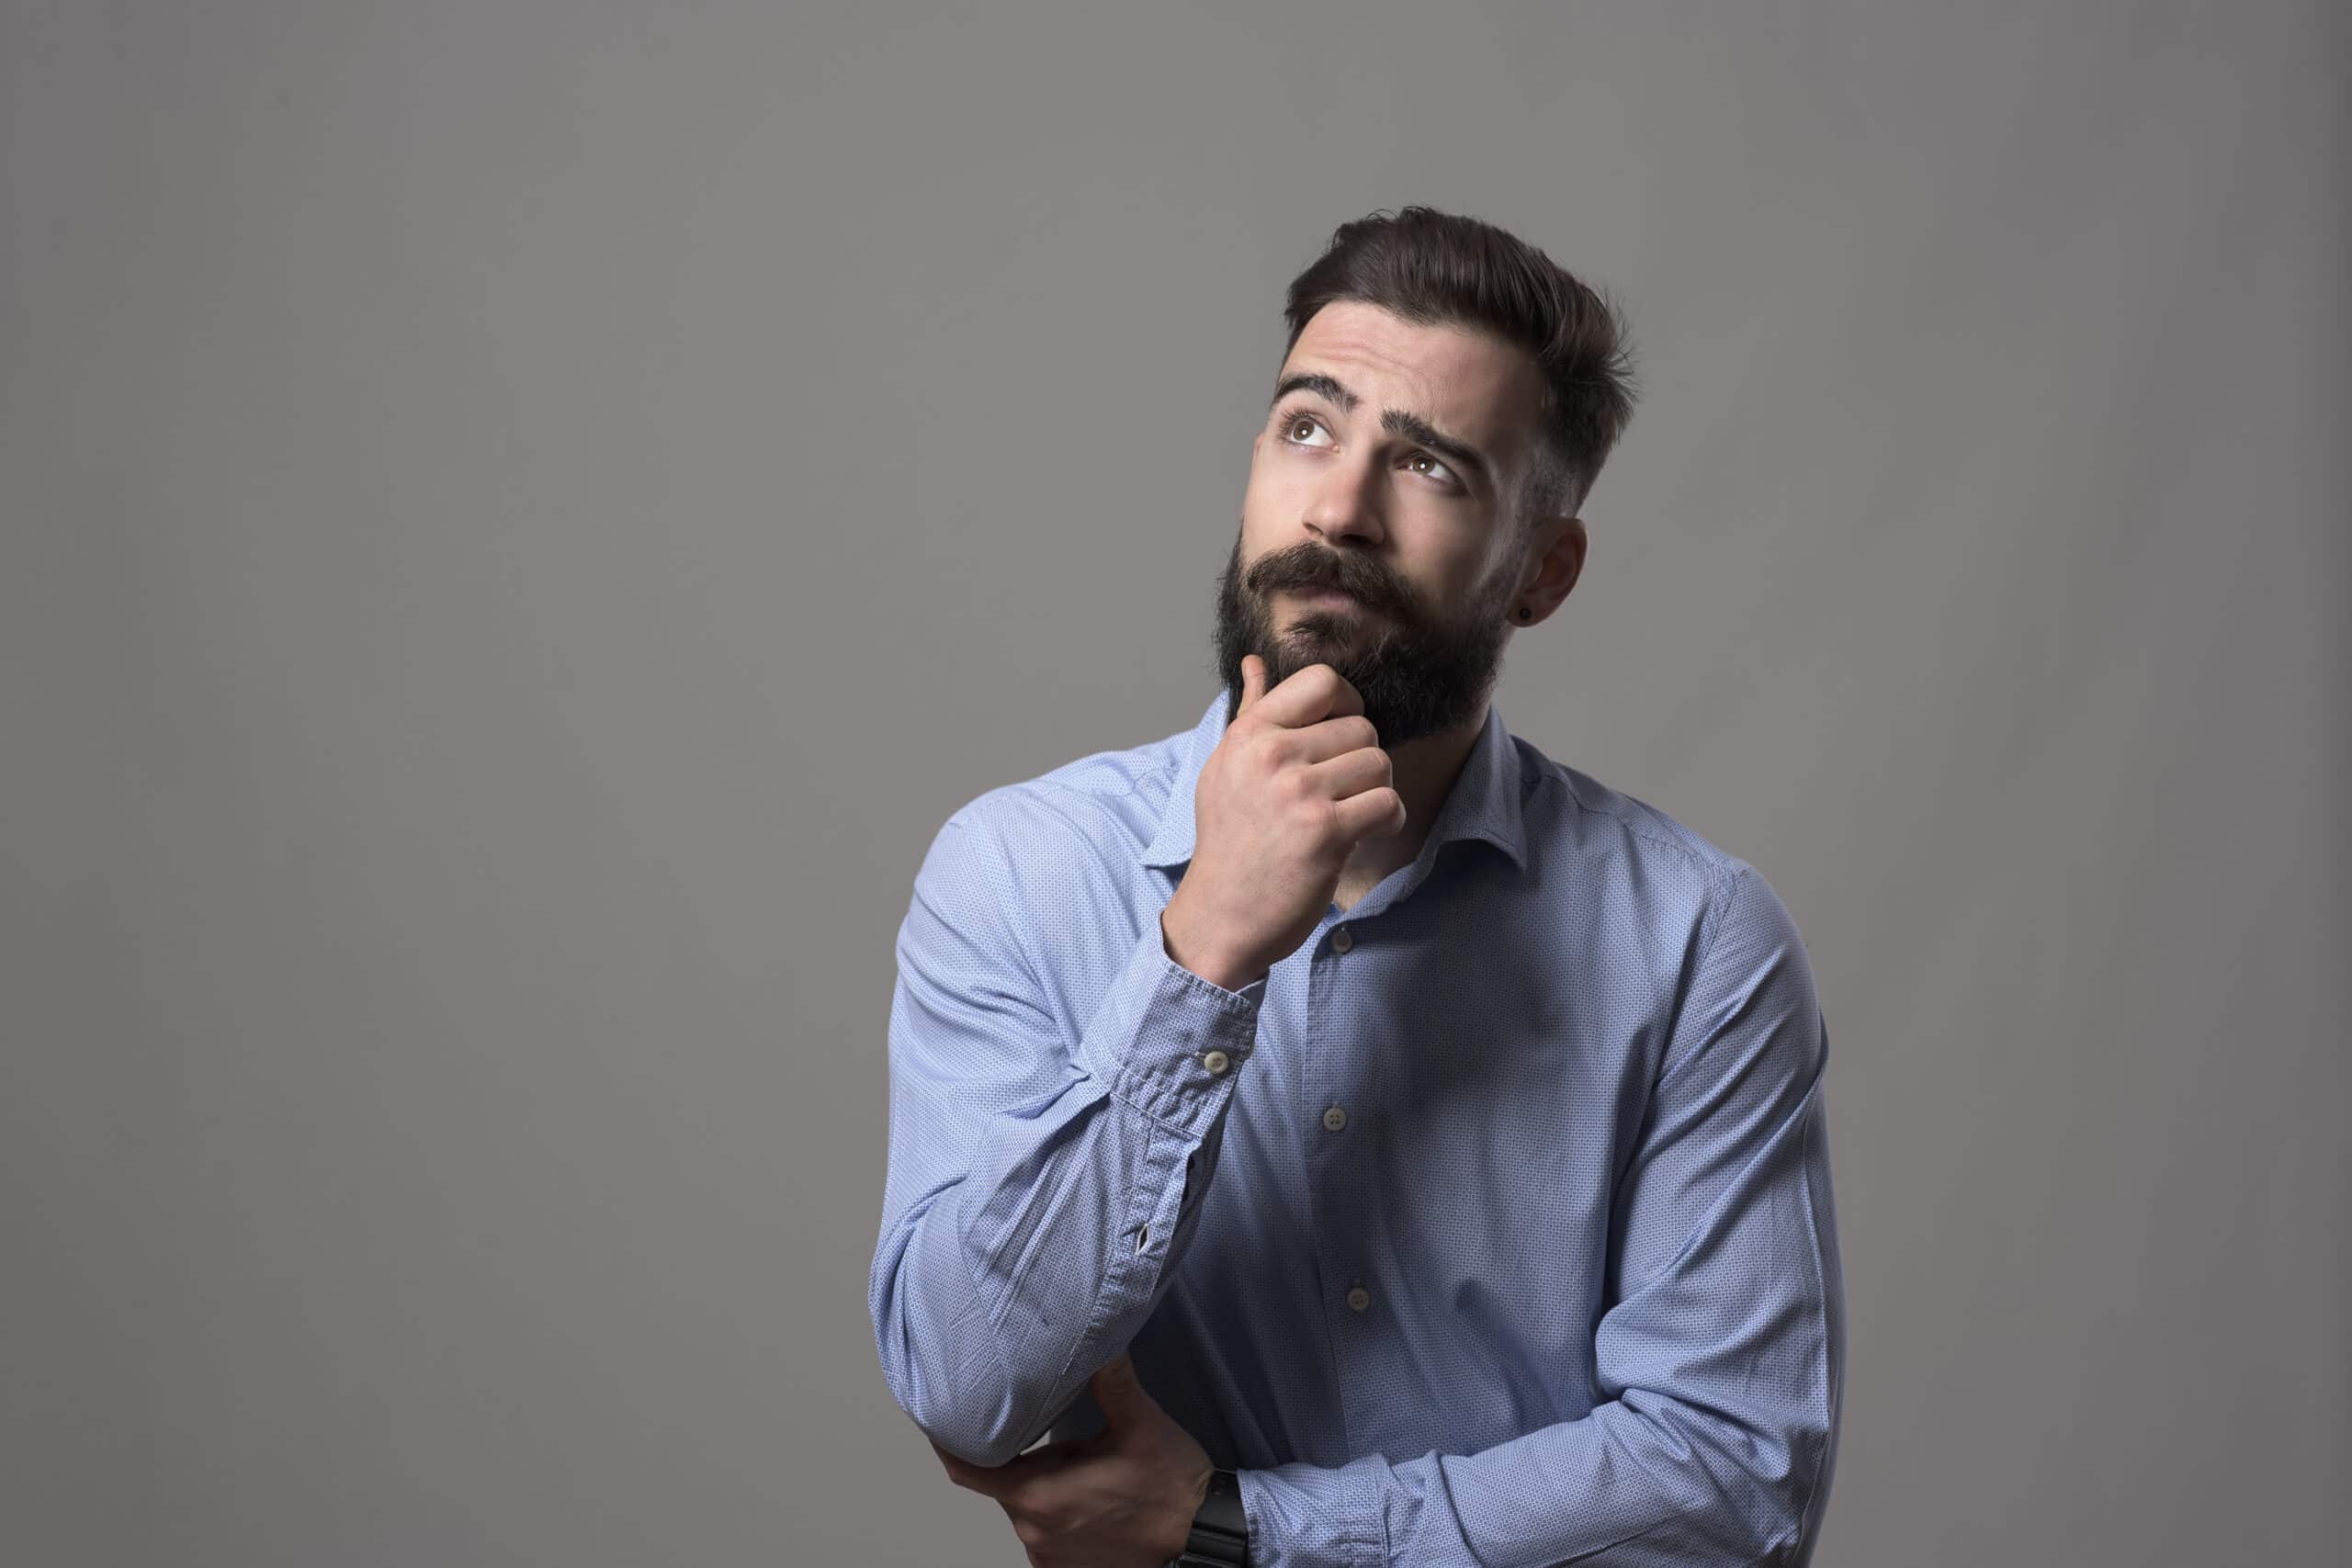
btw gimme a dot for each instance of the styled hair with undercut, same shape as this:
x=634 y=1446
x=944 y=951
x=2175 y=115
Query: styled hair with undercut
x=1437 y=268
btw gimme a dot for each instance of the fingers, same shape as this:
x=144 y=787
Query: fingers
x=1374 y=814
x=1332 y=737
x=1307 y=696
x=1365 y=803
x=1253 y=682
x=1352 y=772
x=1021 y=1467
x=998 y=1480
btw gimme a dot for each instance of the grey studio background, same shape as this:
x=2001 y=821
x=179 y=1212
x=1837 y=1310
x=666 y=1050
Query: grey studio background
x=523 y=518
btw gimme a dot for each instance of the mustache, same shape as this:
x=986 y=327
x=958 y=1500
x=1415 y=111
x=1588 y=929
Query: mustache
x=1311 y=569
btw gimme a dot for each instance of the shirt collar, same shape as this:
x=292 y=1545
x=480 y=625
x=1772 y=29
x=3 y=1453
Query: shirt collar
x=1484 y=802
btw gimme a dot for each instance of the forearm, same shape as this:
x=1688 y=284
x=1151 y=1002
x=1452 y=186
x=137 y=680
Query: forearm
x=1035 y=1253
x=1660 y=1485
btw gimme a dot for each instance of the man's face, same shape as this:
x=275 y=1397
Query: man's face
x=1394 y=479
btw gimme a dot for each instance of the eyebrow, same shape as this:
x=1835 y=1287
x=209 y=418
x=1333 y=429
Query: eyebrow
x=1396 y=421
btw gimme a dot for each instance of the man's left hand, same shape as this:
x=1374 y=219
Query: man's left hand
x=1121 y=1498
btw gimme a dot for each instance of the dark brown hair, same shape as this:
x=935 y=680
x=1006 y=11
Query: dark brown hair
x=1439 y=267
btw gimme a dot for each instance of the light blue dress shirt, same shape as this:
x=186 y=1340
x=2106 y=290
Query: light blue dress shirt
x=1492 y=1226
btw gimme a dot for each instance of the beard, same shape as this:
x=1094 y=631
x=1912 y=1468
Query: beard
x=1419 y=673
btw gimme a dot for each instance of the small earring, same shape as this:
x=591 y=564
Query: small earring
x=1526 y=614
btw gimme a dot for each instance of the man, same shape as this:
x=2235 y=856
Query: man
x=1341 y=1110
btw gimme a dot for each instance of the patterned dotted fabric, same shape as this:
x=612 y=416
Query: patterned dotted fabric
x=1504 y=1236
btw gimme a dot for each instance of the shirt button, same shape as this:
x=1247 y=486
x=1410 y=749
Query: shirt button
x=1342 y=938
x=1216 y=1061
x=1358 y=1298
x=1335 y=1118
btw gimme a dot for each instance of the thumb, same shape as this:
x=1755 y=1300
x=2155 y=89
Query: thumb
x=1253 y=682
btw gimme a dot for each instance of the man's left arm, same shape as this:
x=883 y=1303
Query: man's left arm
x=1721 y=1357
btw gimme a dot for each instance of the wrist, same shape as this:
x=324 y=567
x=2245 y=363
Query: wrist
x=1182 y=941
x=1220 y=1537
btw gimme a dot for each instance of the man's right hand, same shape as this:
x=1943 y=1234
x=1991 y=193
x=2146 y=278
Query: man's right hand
x=1297 y=781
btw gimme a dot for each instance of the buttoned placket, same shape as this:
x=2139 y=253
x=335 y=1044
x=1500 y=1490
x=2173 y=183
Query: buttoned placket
x=1332 y=1141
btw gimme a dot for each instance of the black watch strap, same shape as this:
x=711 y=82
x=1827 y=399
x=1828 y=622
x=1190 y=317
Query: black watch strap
x=1220 y=1537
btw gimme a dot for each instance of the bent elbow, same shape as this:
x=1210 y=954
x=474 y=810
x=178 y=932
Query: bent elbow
x=969 y=1417
x=1752 y=1483
x=946 y=1375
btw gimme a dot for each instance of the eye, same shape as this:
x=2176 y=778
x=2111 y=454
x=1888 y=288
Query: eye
x=1438 y=469
x=1292 y=421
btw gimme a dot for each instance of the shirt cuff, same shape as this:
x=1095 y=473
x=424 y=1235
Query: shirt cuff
x=1169 y=1042
x=1312 y=1516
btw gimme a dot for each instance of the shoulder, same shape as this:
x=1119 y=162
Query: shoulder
x=1099 y=798
x=1579 y=808
x=1095 y=812
x=1622 y=840
x=1050 y=870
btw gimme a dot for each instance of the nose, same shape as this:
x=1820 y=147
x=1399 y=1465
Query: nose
x=1346 y=503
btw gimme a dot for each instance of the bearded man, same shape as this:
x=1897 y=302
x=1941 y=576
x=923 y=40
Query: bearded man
x=1349 y=1136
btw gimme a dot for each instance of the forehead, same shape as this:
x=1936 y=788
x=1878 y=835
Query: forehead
x=1463 y=380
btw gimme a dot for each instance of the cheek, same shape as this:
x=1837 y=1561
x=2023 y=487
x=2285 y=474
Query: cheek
x=1265 y=475
x=1448 y=581
x=1269 y=503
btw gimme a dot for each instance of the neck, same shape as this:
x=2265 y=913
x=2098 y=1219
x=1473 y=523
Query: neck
x=1424 y=773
